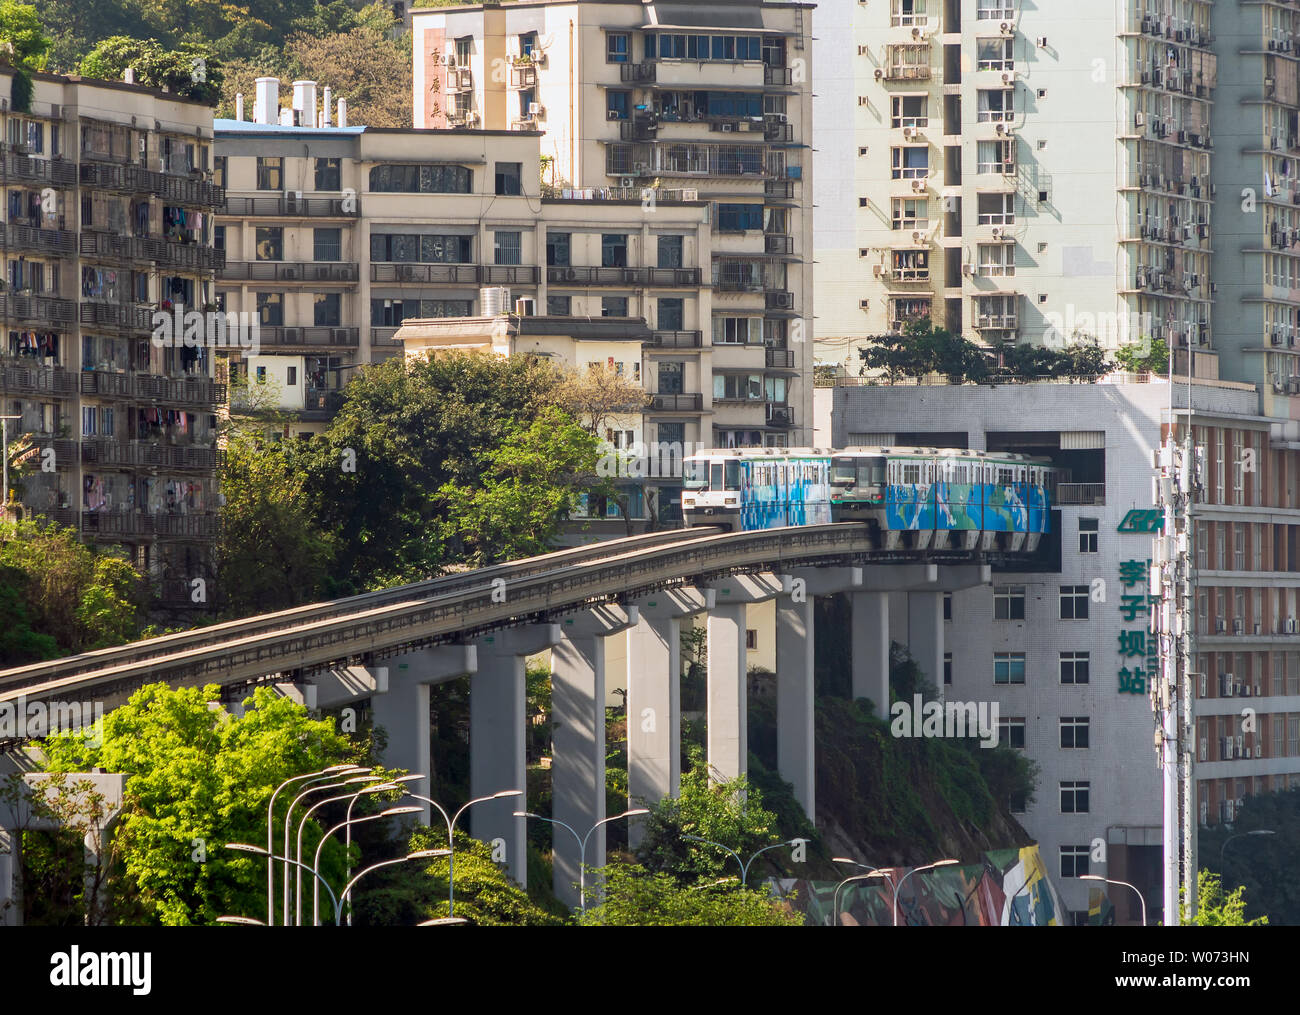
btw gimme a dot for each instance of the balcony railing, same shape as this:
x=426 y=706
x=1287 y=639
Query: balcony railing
x=778 y=75
x=47 y=241
x=781 y=190
x=780 y=359
x=196 y=525
x=676 y=339
x=675 y=158
x=634 y=73
x=456 y=274
x=670 y=277
x=45 y=309
x=65 y=450
x=38 y=380
x=508 y=274
x=778 y=243
x=145 y=248
x=292 y=271
x=145 y=454
x=186 y=391
x=677 y=403
x=126 y=316
x=779 y=415
x=1081 y=493
x=313 y=336
x=385 y=337
x=282 y=206
x=17 y=166
x=189 y=189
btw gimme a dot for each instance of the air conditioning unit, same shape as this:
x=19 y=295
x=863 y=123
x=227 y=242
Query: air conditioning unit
x=916 y=237
x=627 y=182
x=879 y=73
x=405 y=272
x=727 y=128
x=784 y=300
x=909 y=132
x=1139 y=120
x=877 y=270
x=918 y=185
x=290 y=273
x=1000 y=129
x=536 y=110
x=997 y=232
x=968 y=269
x=690 y=195
x=1009 y=78
x=780 y=117
x=1005 y=28
x=1042 y=42
x=613 y=114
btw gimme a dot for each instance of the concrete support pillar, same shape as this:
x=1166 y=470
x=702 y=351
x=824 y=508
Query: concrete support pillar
x=10 y=915
x=578 y=712
x=403 y=711
x=654 y=670
x=728 y=740
x=925 y=635
x=795 y=731
x=497 y=726
x=870 y=648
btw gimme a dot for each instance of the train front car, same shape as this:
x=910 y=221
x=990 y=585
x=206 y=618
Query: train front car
x=858 y=486
x=749 y=489
x=711 y=482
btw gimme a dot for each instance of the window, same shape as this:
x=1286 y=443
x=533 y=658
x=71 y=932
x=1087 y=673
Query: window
x=558 y=246
x=908 y=111
x=427 y=247
x=270 y=309
x=1074 y=667
x=617 y=105
x=1088 y=529
x=997 y=259
x=613 y=306
x=1011 y=731
x=751 y=638
x=618 y=45
x=736 y=330
x=672 y=314
x=1074 y=798
x=1008 y=667
x=420 y=178
x=509 y=178
x=1074 y=861
x=508 y=247
x=219 y=237
x=1074 y=732
x=993 y=54
x=290 y=376
x=261 y=375
x=911 y=213
x=219 y=166
x=995 y=105
x=911 y=163
x=670 y=251
x=613 y=250
x=527 y=43
x=270 y=173
x=903 y=13
x=270 y=243
x=996 y=209
x=559 y=306
x=671 y=379
x=327 y=244
x=1074 y=602
x=947 y=668
x=995 y=157
x=328 y=174
x=737 y=218
x=993 y=10
x=327 y=310
x=738 y=387
x=947 y=606
x=1009 y=602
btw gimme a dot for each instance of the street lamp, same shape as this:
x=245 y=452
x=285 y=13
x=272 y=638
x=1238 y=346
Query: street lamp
x=382 y=787
x=245 y=847
x=876 y=872
x=451 y=831
x=243 y=921
x=315 y=863
x=914 y=870
x=419 y=854
x=582 y=843
x=347 y=844
x=289 y=813
x=1109 y=881
x=1257 y=831
x=744 y=867
x=324 y=773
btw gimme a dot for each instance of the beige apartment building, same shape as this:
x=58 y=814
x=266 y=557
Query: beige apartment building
x=108 y=220
x=641 y=101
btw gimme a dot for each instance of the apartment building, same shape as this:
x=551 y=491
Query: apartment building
x=1062 y=643
x=107 y=221
x=1026 y=174
x=642 y=100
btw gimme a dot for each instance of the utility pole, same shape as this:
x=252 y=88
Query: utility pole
x=1179 y=471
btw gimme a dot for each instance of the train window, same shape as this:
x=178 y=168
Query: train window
x=715 y=476
x=842 y=472
x=732 y=476
x=871 y=472
x=695 y=475
x=911 y=472
x=1005 y=476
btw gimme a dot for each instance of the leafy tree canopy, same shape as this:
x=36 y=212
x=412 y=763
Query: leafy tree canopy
x=188 y=69
x=635 y=897
x=22 y=35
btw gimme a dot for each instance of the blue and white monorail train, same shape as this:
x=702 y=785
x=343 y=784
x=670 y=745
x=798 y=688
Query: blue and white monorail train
x=913 y=498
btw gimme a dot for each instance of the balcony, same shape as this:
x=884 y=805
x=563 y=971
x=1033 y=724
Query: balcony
x=778 y=243
x=144 y=454
x=642 y=277
x=385 y=338
x=144 y=248
x=677 y=403
x=523 y=76
x=459 y=79
x=780 y=76
x=1089 y=494
x=780 y=359
x=153 y=387
x=781 y=133
x=687 y=159
x=38 y=380
x=779 y=415
x=124 y=316
x=996 y=322
x=45 y=241
x=779 y=190
x=122 y=524
x=288 y=206
x=314 y=336
x=638 y=73
x=186 y=189
x=508 y=274
x=291 y=271
x=65 y=451
x=16 y=166
x=321 y=404
x=38 y=309
x=456 y=274
x=675 y=339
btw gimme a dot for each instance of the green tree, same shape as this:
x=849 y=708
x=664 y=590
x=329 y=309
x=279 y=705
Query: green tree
x=924 y=349
x=189 y=69
x=23 y=36
x=1147 y=356
x=631 y=896
x=1217 y=908
x=198 y=778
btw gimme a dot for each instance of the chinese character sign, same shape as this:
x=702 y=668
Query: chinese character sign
x=1136 y=648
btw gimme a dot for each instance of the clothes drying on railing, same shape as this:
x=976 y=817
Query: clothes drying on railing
x=37 y=345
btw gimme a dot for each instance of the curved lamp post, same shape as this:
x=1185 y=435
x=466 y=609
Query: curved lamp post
x=582 y=843
x=451 y=831
x=381 y=787
x=1109 y=881
x=347 y=845
x=898 y=891
x=419 y=854
x=1238 y=835
x=324 y=773
x=245 y=847
x=876 y=872
x=288 y=814
x=744 y=866
x=315 y=861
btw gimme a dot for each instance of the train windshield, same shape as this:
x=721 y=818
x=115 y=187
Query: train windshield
x=695 y=475
x=843 y=471
x=698 y=475
x=871 y=472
